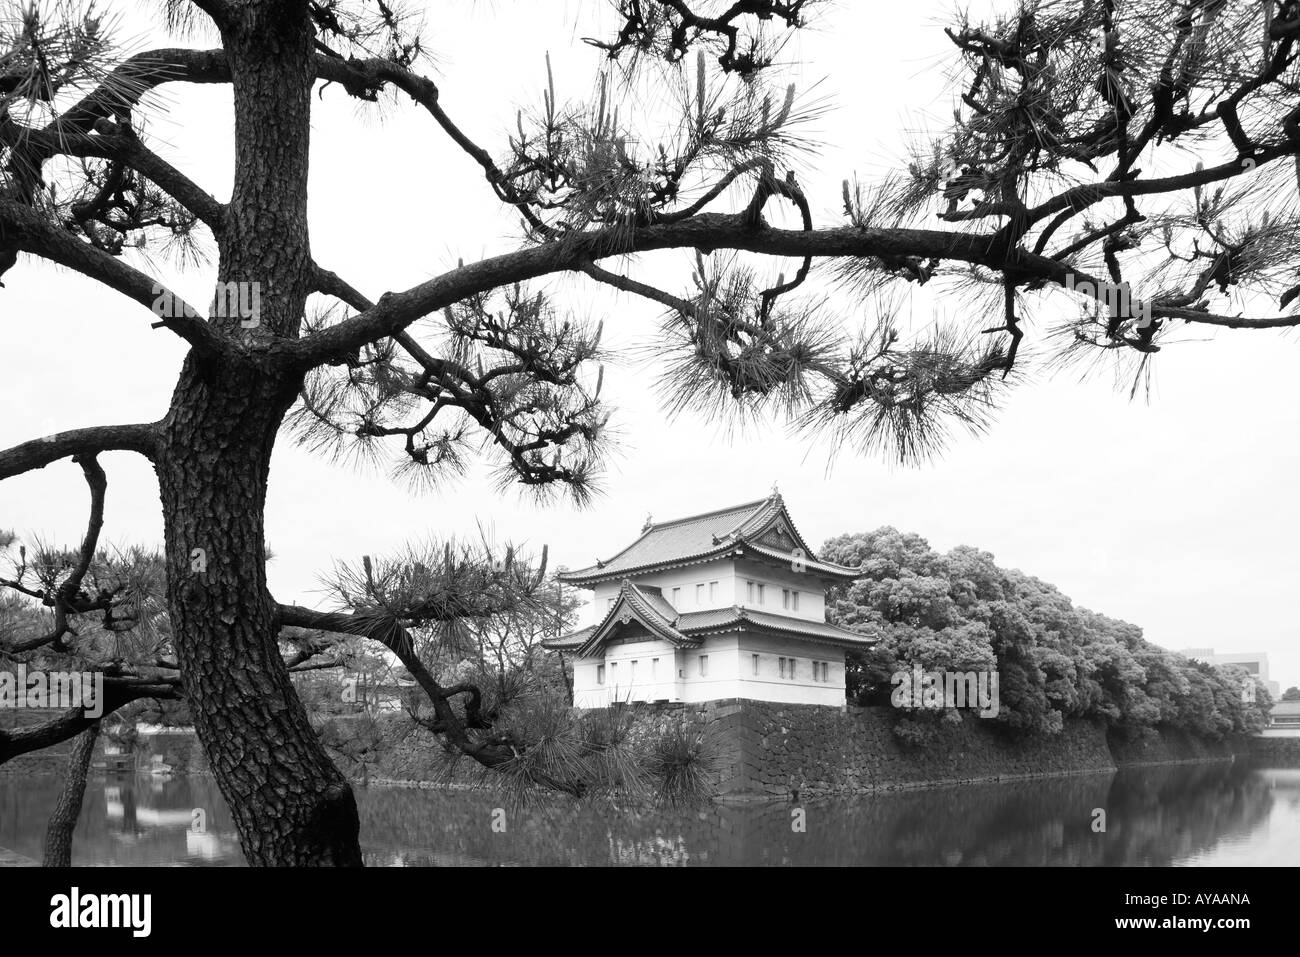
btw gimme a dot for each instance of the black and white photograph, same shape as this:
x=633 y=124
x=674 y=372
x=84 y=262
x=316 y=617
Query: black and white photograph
x=650 y=433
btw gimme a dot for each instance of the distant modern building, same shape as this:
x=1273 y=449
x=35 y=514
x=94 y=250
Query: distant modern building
x=1253 y=662
x=1285 y=714
x=726 y=604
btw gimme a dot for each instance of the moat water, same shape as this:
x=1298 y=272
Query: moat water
x=1184 y=815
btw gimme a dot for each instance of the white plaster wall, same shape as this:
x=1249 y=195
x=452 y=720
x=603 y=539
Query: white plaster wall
x=731 y=577
x=587 y=692
x=723 y=678
x=722 y=571
x=730 y=672
x=768 y=685
x=649 y=684
x=812 y=595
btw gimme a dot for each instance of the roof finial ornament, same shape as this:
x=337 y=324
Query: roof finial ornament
x=776 y=493
x=649 y=520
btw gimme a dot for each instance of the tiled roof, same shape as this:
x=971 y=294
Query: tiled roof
x=1285 y=707
x=653 y=598
x=811 y=629
x=647 y=605
x=699 y=537
x=707 y=619
x=573 y=639
x=650 y=608
x=809 y=563
x=666 y=541
x=645 y=601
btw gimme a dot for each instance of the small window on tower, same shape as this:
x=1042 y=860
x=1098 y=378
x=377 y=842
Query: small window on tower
x=794 y=601
x=749 y=593
x=755 y=657
x=792 y=661
x=704 y=666
x=785 y=598
x=677 y=597
x=713 y=591
x=699 y=594
x=825 y=671
x=760 y=593
x=782 y=667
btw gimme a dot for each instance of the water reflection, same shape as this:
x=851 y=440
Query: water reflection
x=125 y=820
x=1190 y=814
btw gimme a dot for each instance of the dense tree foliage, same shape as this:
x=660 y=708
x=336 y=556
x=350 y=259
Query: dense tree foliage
x=961 y=612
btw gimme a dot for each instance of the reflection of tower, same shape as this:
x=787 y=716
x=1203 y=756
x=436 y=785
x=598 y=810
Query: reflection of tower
x=129 y=818
x=205 y=845
x=113 y=802
x=119 y=804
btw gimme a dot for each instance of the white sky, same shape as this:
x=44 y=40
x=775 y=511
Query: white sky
x=1178 y=515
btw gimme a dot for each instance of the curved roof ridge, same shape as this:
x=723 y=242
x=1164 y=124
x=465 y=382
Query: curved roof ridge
x=809 y=559
x=772 y=504
x=716 y=511
x=656 y=530
x=631 y=597
x=652 y=527
x=777 y=509
x=698 y=538
x=763 y=507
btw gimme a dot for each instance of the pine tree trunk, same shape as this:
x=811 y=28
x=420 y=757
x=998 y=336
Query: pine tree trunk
x=58 y=833
x=290 y=804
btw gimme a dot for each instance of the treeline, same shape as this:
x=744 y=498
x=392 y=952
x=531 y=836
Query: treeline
x=961 y=612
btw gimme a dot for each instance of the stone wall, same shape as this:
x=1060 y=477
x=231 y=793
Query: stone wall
x=764 y=749
x=775 y=750
x=418 y=755
x=1170 y=746
x=1274 y=752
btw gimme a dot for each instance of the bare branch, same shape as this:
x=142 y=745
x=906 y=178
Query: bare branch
x=23 y=229
x=128 y=148
x=491 y=750
x=39 y=453
x=627 y=284
x=67 y=592
x=708 y=231
x=119 y=93
x=367 y=75
x=19 y=741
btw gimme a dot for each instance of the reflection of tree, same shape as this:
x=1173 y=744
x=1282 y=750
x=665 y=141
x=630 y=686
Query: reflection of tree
x=1154 y=816
x=1165 y=815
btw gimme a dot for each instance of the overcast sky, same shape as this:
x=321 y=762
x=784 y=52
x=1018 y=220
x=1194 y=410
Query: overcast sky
x=1178 y=515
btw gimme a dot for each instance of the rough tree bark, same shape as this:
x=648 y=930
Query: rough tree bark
x=291 y=805
x=63 y=821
